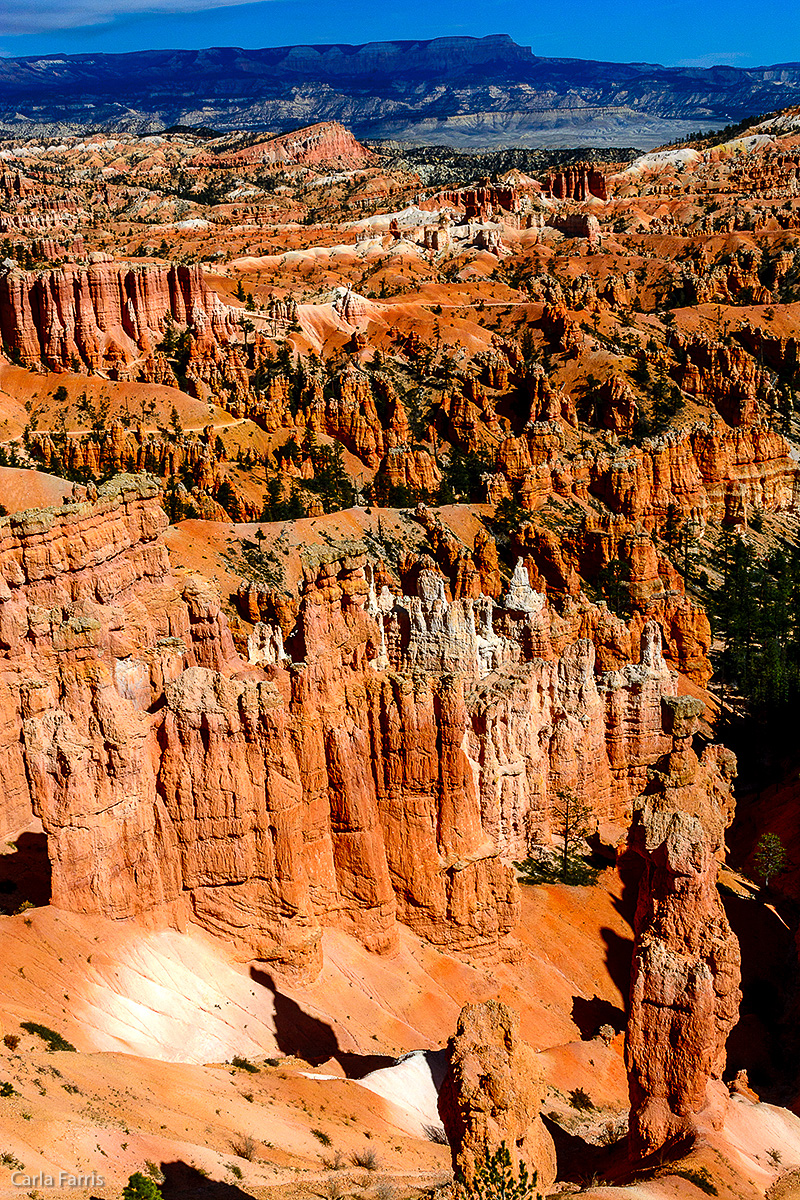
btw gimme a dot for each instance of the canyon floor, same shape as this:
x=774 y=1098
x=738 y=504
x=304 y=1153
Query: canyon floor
x=157 y=1016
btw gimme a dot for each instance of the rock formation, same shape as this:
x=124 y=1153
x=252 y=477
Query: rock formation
x=479 y=203
x=581 y=225
x=692 y=470
x=326 y=144
x=492 y=1096
x=181 y=457
x=581 y=182
x=390 y=768
x=685 y=980
x=105 y=316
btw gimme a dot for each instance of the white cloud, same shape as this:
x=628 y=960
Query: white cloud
x=716 y=58
x=22 y=16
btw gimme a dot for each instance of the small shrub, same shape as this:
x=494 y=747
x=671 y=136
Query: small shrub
x=495 y=1177
x=551 y=868
x=244 y=1147
x=700 y=1178
x=612 y=1132
x=436 y=1134
x=53 y=1040
x=321 y=1136
x=140 y=1187
x=774 y=1157
x=11 y=1041
x=154 y=1171
x=332 y=1190
x=581 y=1100
x=8 y=1160
x=244 y=1064
x=235 y=1170
x=769 y=858
x=593 y=1180
x=367 y=1159
x=334 y=1164
x=6 y=1090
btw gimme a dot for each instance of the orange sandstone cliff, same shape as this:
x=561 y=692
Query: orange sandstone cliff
x=388 y=766
x=107 y=316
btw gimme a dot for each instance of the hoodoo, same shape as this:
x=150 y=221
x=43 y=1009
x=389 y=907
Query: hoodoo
x=685 y=984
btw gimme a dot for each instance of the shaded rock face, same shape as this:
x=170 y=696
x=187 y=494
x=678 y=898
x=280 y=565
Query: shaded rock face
x=492 y=1095
x=93 y=627
x=387 y=768
x=686 y=967
x=581 y=225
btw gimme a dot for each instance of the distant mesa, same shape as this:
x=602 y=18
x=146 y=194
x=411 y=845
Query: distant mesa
x=457 y=91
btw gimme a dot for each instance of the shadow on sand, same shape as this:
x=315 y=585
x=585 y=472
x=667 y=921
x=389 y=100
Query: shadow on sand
x=305 y=1036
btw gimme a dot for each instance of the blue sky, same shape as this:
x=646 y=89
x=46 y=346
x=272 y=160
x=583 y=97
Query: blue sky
x=736 y=32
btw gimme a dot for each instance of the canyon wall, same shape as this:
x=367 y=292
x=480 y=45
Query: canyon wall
x=106 y=316
x=389 y=769
x=705 y=471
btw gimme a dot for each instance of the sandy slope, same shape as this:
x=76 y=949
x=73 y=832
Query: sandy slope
x=155 y=1014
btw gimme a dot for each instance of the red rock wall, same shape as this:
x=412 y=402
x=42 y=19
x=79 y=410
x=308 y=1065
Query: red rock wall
x=577 y=183
x=326 y=142
x=102 y=317
x=391 y=773
x=692 y=470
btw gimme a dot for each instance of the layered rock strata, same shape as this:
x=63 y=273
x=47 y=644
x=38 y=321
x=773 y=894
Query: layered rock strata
x=700 y=473
x=581 y=182
x=386 y=766
x=326 y=143
x=106 y=316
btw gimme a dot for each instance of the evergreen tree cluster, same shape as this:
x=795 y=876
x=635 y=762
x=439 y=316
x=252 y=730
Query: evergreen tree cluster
x=462 y=477
x=756 y=611
x=664 y=398
x=331 y=481
x=276 y=508
x=177 y=345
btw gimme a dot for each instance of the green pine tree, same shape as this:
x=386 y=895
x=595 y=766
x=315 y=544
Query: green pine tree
x=140 y=1187
x=496 y=1179
x=769 y=858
